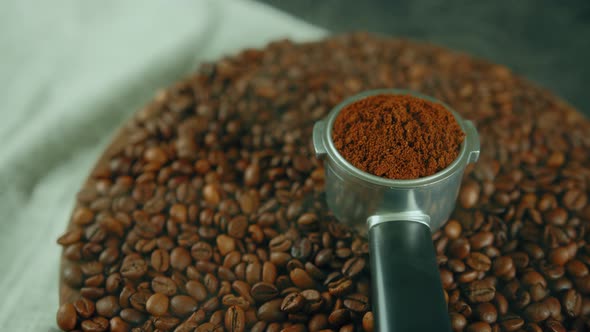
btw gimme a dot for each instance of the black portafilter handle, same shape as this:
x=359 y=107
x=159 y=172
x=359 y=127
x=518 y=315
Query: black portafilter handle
x=406 y=286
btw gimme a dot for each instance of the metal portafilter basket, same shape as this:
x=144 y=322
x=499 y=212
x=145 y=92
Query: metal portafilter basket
x=398 y=216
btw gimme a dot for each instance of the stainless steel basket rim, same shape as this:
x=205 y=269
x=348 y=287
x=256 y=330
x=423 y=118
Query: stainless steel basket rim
x=456 y=166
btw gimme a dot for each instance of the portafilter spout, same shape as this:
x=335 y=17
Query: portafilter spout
x=399 y=217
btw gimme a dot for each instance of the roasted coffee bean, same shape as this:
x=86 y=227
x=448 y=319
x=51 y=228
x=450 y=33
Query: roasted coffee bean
x=571 y=303
x=182 y=305
x=458 y=321
x=96 y=324
x=133 y=266
x=166 y=323
x=118 y=325
x=479 y=327
x=486 y=312
x=139 y=299
x=72 y=275
x=459 y=248
x=271 y=311
x=353 y=266
x=293 y=302
x=511 y=322
x=356 y=303
x=108 y=306
x=196 y=289
x=339 y=317
x=84 y=307
x=160 y=260
x=132 y=316
x=479 y=291
x=263 y=291
x=235 y=319
x=537 y=312
x=478 y=262
x=301 y=278
x=66 y=317
x=157 y=304
x=164 y=285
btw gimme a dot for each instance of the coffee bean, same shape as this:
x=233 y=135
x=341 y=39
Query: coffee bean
x=501 y=303
x=576 y=268
x=164 y=285
x=271 y=311
x=165 y=323
x=118 y=325
x=160 y=260
x=479 y=327
x=511 y=323
x=237 y=227
x=235 y=319
x=66 y=317
x=301 y=278
x=479 y=291
x=96 y=324
x=132 y=316
x=253 y=273
x=571 y=303
x=225 y=244
x=559 y=256
x=139 y=299
x=446 y=277
x=339 y=317
x=481 y=240
x=554 y=307
x=196 y=289
x=84 y=307
x=478 y=261
x=230 y=300
x=460 y=248
x=357 y=303
x=554 y=326
x=486 y=312
x=368 y=322
x=319 y=322
x=503 y=266
x=133 y=266
x=263 y=291
x=243 y=289
x=458 y=321
x=340 y=286
x=353 y=266
x=157 y=304
x=574 y=199
x=301 y=249
x=72 y=275
x=293 y=302
x=108 y=306
x=469 y=194
x=537 y=312
x=70 y=237
x=269 y=272
x=183 y=305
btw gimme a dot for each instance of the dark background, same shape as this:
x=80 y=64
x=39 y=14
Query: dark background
x=547 y=41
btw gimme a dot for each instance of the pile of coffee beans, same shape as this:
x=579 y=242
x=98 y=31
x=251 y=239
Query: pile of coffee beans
x=208 y=212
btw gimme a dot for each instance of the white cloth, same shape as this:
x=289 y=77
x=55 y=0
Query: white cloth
x=71 y=72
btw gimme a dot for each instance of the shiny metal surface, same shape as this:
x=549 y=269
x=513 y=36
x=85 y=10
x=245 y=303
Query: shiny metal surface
x=355 y=196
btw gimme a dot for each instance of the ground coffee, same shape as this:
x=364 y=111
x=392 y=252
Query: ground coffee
x=397 y=136
x=208 y=212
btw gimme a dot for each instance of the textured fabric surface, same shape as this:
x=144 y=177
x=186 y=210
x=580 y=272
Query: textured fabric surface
x=71 y=72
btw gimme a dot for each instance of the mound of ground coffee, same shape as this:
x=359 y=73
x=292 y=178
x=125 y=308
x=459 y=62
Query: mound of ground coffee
x=208 y=211
x=397 y=136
